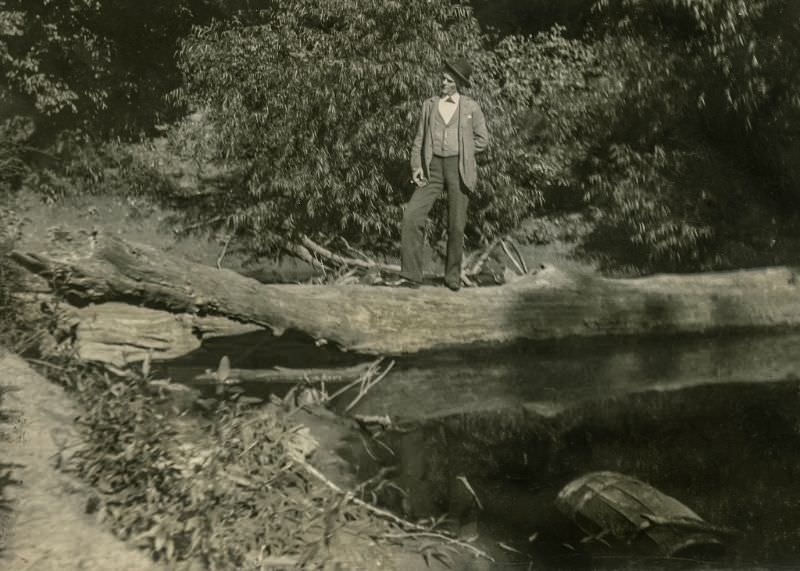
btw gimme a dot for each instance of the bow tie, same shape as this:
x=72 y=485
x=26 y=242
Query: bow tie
x=450 y=100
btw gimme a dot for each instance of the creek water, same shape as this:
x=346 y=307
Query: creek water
x=713 y=421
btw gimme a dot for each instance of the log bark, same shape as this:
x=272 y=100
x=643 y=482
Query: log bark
x=118 y=333
x=548 y=303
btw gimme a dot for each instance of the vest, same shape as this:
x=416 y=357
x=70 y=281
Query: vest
x=445 y=135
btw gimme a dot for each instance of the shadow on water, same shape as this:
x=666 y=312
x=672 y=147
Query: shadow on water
x=713 y=421
x=728 y=451
x=549 y=375
x=554 y=375
x=259 y=350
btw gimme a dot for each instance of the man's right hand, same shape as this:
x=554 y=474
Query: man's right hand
x=418 y=177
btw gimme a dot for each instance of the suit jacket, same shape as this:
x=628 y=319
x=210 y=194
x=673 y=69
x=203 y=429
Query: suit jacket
x=473 y=137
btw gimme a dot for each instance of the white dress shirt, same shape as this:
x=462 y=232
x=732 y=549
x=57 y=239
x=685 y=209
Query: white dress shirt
x=446 y=108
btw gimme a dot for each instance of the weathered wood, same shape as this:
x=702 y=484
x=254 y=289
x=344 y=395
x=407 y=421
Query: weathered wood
x=620 y=513
x=118 y=334
x=280 y=375
x=546 y=304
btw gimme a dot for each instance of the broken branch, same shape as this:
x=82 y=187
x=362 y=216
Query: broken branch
x=368 y=385
x=338 y=259
x=512 y=258
x=417 y=530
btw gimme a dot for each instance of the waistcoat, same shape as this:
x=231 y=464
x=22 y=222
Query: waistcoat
x=445 y=135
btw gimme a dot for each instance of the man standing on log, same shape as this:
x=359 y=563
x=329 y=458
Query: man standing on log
x=452 y=129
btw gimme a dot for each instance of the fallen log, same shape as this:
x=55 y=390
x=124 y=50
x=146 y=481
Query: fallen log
x=284 y=375
x=546 y=304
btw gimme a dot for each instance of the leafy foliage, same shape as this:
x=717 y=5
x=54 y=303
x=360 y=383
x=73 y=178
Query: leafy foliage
x=14 y=135
x=314 y=107
x=50 y=56
x=227 y=488
x=93 y=64
x=741 y=52
x=78 y=164
x=710 y=111
x=307 y=111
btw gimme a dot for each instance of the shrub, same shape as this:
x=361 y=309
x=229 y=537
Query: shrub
x=314 y=107
x=229 y=488
x=706 y=134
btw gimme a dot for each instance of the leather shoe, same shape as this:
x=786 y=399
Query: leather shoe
x=452 y=286
x=403 y=282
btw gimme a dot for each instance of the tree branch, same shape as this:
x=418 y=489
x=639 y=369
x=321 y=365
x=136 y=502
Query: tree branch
x=340 y=260
x=512 y=258
x=415 y=530
x=478 y=265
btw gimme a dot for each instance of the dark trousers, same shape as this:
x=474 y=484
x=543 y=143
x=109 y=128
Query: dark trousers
x=443 y=175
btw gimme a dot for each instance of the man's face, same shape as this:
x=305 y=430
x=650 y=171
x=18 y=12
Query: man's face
x=448 y=84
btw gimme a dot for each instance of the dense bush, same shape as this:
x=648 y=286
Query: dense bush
x=93 y=64
x=308 y=111
x=50 y=59
x=314 y=107
x=707 y=140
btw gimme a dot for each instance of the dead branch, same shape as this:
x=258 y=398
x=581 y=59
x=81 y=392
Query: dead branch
x=471 y=490
x=373 y=367
x=340 y=260
x=446 y=538
x=303 y=254
x=466 y=280
x=356 y=250
x=416 y=530
x=512 y=258
x=224 y=251
x=518 y=253
x=367 y=385
x=478 y=264
x=282 y=375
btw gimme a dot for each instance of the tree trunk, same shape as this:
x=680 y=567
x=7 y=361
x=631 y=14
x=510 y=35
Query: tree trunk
x=546 y=304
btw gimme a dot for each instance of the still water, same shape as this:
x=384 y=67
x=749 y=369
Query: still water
x=713 y=421
x=545 y=375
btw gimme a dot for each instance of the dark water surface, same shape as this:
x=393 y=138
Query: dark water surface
x=713 y=421
x=547 y=375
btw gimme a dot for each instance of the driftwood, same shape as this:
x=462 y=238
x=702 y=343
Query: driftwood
x=280 y=375
x=623 y=514
x=546 y=304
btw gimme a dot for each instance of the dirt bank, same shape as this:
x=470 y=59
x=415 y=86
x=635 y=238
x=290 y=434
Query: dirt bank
x=50 y=529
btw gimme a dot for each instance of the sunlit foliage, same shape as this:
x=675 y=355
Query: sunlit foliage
x=314 y=107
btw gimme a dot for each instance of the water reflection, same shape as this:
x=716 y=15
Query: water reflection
x=549 y=375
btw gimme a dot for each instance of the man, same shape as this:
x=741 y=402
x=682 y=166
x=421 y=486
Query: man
x=452 y=129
